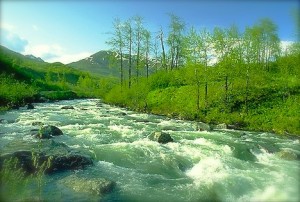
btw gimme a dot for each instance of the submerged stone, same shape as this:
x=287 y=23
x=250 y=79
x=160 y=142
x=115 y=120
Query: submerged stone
x=286 y=155
x=99 y=186
x=202 y=126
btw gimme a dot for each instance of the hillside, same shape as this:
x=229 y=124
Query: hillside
x=32 y=68
x=24 y=78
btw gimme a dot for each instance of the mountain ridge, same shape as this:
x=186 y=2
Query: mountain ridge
x=98 y=63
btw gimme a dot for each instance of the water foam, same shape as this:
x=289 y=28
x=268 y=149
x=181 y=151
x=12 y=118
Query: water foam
x=207 y=171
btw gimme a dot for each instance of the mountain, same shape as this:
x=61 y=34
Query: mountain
x=98 y=63
x=107 y=64
x=34 y=58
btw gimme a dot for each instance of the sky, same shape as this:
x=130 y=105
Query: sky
x=69 y=30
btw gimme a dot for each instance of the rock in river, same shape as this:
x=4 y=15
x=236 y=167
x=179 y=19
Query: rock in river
x=67 y=107
x=161 y=137
x=30 y=106
x=98 y=186
x=47 y=132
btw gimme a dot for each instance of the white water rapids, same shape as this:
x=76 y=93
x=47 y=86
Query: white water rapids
x=198 y=166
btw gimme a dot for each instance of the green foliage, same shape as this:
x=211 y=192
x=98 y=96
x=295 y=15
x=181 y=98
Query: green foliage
x=88 y=86
x=14 y=92
x=13 y=181
x=58 y=95
x=271 y=103
x=17 y=185
x=40 y=167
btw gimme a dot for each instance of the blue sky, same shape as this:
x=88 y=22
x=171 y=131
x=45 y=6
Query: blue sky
x=70 y=30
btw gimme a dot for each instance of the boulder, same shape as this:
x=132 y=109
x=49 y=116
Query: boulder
x=30 y=106
x=202 y=126
x=92 y=186
x=62 y=157
x=161 y=137
x=48 y=131
x=67 y=107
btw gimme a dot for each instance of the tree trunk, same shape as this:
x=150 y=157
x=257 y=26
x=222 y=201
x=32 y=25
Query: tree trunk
x=138 y=59
x=247 y=91
x=206 y=102
x=147 y=64
x=130 y=46
x=121 y=69
x=163 y=49
x=226 y=91
x=198 y=91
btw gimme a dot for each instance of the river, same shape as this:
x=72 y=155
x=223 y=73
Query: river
x=223 y=165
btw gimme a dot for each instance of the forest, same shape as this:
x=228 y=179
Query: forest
x=242 y=78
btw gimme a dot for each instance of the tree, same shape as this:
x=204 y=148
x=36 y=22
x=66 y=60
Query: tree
x=129 y=42
x=192 y=45
x=175 y=38
x=147 y=38
x=117 y=44
x=250 y=53
x=198 y=49
x=270 y=42
x=161 y=36
x=155 y=49
x=227 y=46
x=138 y=34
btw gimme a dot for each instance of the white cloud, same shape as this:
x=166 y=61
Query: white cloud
x=54 y=53
x=10 y=39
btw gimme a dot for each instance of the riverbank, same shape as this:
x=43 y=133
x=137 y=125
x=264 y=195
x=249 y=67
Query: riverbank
x=222 y=125
x=271 y=107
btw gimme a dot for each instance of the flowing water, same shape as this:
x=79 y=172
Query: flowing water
x=222 y=165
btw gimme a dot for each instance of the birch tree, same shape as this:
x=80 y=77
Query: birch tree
x=175 y=38
x=129 y=44
x=117 y=44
